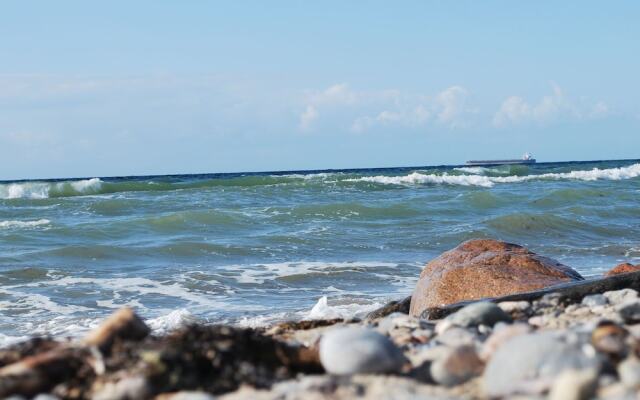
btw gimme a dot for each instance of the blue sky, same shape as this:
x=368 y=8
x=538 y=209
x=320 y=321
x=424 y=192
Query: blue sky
x=154 y=87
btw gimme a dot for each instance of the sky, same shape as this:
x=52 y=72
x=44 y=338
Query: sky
x=166 y=87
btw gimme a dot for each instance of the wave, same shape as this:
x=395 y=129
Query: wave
x=24 y=224
x=43 y=190
x=416 y=178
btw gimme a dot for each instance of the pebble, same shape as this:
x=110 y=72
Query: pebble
x=501 y=334
x=629 y=372
x=513 y=306
x=610 y=338
x=134 y=387
x=457 y=366
x=186 y=395
x=353 y=350
x=530 y=362
x=457 y=336
x=479 y=313
x=620 y=296
x=595 y=300
x=629 y=311
x=575 y=385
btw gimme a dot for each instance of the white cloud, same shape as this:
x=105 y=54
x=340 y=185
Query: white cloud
x=360 y=111
x=307 y=118
x=452 y=105
x=516 y=110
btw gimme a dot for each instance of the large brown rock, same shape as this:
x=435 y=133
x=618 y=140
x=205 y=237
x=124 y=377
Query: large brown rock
x=485 y=268
x=623 y=268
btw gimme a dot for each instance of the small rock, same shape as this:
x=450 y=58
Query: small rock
x=574 y=385
x=134 y=387
x=629 y=311
x=514 y=306
x=352 y=350
x=623 y=268
x=620 y=296
x=457 y=366
x=501 y=334
x=629 y=372
x=529 y=363
x=610 y=338
x=185 y=395
x=595 y=300
x=457 y=337
x=480 y=313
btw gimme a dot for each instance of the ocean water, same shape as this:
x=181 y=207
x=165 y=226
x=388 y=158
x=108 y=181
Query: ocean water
x=251 y=249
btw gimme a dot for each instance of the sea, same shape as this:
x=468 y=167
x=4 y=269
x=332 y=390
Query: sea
x=254 y=248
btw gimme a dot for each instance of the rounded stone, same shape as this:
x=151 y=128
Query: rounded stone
x=484 y=268
x=457 y=366
x=480 y=313
x=620 y=296
x=533 y=360
x=623 y=268
x=629 y=372
x=353 y=350
x=594 y=300
x=629 y=311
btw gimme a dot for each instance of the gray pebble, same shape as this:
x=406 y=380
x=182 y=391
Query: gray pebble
x=629 y=311
x=620 y=296
x=480 y=313
x=629 y=372
x=457 y=366
x=595 y=300
x=353 y=350
x=533 y=360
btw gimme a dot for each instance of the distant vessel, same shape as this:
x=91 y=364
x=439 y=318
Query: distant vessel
x=526 y=159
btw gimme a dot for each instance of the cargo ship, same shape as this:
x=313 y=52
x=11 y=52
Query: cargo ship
x=526 y=159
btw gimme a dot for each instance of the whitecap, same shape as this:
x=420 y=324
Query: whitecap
x=24 y=224
x=322 y=310
x=416 y=178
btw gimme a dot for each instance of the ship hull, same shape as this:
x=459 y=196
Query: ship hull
x=474 y=163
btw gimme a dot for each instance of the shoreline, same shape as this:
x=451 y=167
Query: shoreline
x=575 y=340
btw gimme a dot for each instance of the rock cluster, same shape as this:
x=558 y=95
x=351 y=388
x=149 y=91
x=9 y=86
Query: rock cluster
x=575 y=342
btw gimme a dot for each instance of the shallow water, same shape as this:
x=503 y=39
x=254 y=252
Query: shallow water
x=254 y=248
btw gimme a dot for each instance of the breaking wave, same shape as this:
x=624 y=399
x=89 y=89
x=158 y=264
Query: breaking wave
x=43 y=190
x=23 y=224
x=417 y=178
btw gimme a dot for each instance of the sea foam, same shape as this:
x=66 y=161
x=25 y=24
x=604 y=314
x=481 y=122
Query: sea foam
x=23 y=224
x=417 y=178
x=43 y=190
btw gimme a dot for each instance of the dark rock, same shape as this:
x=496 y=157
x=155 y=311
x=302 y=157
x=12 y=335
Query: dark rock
x=483 y=268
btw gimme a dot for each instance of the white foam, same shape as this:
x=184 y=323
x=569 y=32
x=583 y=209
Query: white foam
x=416 y=178
x=173 y=320
x=24 y=224
x=42 y=190
x=322 y=309
x=472 y=170
x=259 y=273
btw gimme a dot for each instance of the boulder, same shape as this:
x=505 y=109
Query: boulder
x=484 y=268
x=623 y=268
